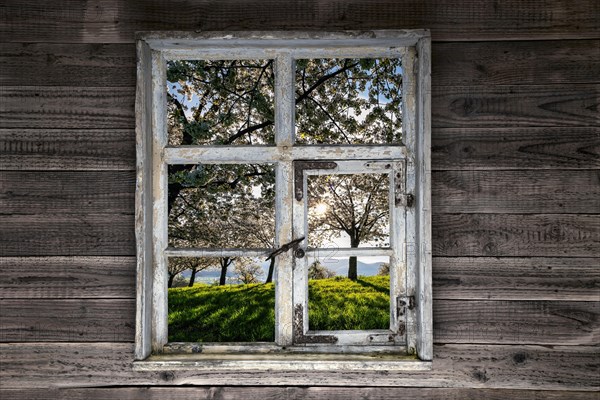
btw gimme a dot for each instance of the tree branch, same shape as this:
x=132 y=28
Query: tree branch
x=322 y=80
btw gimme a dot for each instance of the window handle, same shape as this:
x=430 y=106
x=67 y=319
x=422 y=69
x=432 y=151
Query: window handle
x=294 y=244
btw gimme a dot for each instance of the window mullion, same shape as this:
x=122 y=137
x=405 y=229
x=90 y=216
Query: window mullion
x=284 y=139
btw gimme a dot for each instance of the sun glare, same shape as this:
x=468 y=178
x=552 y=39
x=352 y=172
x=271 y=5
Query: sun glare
x=321 y=208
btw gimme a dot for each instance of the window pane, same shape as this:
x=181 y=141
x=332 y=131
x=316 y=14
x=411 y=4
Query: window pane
x=348 y=101
x=220 y=102
x=338 y=303
x=240 y=310
x=222 y=206
x=348 y=211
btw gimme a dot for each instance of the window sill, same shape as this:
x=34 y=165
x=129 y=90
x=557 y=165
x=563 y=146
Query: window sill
x=287 y=362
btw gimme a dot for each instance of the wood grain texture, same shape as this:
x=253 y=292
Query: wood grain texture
x=452 y=107
x=516 y=63
x=66 y=107
x=461 y=63
x=40 y=365
x=455 y=321
x=515 y=148
x=69 y=234
x=67 y=277
x=516 y=235
x=519 y=322
x=289 y=393
x=74 y=192
x=116 y=21
x=480 y=278
x=455 y=235
x=453 y=149
x=510 y=106
x=82 y=320
x=67 y=149
x=506 y=192
x=534 y=278
x=47 y=64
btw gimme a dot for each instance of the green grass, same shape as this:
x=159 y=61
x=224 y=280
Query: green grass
x=230 y=313
x=341 y=304
x=246 y=313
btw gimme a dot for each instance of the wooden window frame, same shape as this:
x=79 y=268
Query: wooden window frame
x=411 y=235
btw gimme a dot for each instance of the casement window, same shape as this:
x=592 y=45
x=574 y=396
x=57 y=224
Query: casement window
x=296 y=150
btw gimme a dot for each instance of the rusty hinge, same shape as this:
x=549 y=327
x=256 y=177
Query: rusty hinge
x=407 y=200
x=403 y=303
x=300 y=166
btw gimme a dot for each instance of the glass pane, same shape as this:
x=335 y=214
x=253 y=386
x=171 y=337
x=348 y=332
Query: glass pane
x=351 y=101
x=336 y=302
x=224 y=102
x=241 y=309
x=221 y=206
x=348 y=211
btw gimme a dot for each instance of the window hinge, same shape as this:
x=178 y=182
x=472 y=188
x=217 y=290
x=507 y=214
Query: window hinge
x=403 y=303
x=405 y=199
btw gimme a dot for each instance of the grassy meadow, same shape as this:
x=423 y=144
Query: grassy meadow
x=246 y=313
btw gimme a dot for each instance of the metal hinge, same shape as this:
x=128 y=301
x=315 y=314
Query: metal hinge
x=407 y=200
x=403 y=303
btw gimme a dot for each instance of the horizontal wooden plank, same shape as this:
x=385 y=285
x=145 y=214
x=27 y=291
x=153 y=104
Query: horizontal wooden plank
x=68 y=234
x=452 y=106
x=515 y=148
x=461 y=63
x=100 y=192
x=536 y=278
x=455 y=235
x=39 y=365
x=515 y=63
x=47 y=64
x=557 y=191
x=23 y=192
x=516 y=235
x=82 y=320
x=455 y=321
x=519 y=322
x=479 y=278
x=290 y=393
x=509 y=106
x=67 y=277
x=67 y=107
x=67 y=149
x=468 y=148
x=505 y=192
x=116 y=21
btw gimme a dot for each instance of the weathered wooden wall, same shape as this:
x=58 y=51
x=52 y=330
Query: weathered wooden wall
x=516 y=197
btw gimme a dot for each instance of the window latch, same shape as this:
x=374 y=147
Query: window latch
x=294 y=244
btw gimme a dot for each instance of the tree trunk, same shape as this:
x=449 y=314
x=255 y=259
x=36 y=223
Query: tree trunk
x=271 y=268
x=352 y=262
x=225 y=261
x=171 y=279
x=192 y=277
x=352 y=268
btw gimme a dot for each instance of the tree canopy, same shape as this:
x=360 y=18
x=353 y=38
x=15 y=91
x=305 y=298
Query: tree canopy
x=231 y=102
